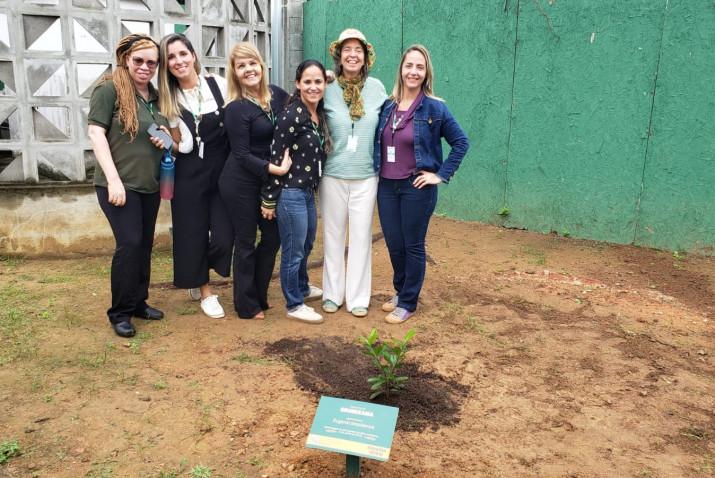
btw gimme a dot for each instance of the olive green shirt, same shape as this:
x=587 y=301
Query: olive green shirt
x=137 y=161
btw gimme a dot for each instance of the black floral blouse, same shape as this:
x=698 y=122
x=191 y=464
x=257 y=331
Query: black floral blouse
x=296 y=132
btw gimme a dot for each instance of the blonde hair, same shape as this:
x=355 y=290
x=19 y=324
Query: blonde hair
x=427 y=84
x=168 y=84
x=126 y=91
x=235 y=90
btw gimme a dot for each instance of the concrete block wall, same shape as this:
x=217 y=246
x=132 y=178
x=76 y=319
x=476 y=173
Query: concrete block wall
x=52 y=52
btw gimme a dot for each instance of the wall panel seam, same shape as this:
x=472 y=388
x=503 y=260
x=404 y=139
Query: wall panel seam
x=511 y=103
x=649 y=132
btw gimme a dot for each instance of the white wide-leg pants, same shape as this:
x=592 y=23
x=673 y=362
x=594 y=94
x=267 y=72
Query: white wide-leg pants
x=347 y=205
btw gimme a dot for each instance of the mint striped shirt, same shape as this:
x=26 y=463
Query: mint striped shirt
x=342 y=164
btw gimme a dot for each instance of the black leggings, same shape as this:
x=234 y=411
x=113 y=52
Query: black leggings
x=252 y=264
x=133 y=227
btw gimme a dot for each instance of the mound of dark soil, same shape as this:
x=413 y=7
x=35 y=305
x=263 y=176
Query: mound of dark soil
x=330 y=366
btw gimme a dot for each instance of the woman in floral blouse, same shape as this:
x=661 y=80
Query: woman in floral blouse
x=301 y=132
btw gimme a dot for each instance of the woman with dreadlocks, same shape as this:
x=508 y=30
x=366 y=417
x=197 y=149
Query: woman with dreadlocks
x=122 y=107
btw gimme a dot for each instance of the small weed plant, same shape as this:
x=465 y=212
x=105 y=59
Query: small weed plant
x=9 y=449
x=387 y=357
x=200 y=471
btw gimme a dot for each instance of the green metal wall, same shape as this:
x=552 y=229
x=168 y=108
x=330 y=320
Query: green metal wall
x=593 y=119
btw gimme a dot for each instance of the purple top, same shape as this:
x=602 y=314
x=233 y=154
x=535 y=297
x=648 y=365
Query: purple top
x=400 y=133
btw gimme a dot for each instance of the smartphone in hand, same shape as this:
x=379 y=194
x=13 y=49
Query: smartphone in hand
x=154 y=130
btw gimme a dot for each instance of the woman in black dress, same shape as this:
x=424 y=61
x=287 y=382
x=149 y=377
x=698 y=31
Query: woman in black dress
x=249 y=124
x=202 y=231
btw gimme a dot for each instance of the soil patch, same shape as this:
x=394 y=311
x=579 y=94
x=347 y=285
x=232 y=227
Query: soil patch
x=535 y=356
x=331 y=366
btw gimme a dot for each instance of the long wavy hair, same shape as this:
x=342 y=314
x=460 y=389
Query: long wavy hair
x=427 y=85
x=295 y=96
x=235 y=90
x=168 y=84
x=126 y=91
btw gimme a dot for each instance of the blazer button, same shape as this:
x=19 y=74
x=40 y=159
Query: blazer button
x=220 y=125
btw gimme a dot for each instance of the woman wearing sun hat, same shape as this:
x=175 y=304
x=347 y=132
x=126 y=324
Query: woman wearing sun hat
x=349 y=184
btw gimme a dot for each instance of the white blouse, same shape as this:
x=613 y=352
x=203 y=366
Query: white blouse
x=199 y=101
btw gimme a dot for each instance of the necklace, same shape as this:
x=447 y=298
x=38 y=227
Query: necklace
x=268 y=112
x=195 y=112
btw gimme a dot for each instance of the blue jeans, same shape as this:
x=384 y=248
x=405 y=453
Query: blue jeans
x=297 y=223
x=405 y=212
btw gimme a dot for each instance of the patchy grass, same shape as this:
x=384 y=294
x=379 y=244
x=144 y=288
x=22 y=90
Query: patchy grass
x=694 y=433
x=162 y=269
x=200 y=471
x=17 y=331
x=9 y=449
x=136 y=343
x=187 y=309
x=56 y=279
x=476 y=326
x=256 y=461
x=535 y=256
x=99 y=359
x=11 y=262
x=243 y=357
x=100 y=470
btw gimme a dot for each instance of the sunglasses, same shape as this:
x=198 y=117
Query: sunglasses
x=151 y=64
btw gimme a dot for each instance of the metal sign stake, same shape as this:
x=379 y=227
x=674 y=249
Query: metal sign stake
x=352 y=466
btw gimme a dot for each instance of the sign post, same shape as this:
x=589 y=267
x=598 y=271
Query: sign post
x=352 y=466
x=357 y=429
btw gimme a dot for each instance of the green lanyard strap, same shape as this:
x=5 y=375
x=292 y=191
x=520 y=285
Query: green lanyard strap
x=269 y=113
x=149 y=106
x=318 y=133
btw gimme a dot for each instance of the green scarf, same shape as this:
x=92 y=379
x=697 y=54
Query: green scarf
x=351 y=95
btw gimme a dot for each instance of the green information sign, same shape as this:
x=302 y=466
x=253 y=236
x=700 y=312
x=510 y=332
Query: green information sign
x=353 y=428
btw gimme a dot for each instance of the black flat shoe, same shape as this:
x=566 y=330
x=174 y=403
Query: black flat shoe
x=124 y=329
x=149 y=313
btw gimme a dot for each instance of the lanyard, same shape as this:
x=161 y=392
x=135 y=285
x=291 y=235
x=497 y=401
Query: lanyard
x=197 y=114
x=269 y=113
x=149 y=106
x=319 y=134
x=396 y=121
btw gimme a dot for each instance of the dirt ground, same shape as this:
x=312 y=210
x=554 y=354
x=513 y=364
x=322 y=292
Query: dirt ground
x=535 y=355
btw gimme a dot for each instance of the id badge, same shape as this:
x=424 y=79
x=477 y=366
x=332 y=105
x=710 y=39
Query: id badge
x=390 y=154
x=201 y=150
x=352 y=144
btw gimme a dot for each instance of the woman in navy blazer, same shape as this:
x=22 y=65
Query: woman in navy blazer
x=408 y=158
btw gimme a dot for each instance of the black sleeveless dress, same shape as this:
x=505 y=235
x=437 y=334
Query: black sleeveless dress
x=202 y=230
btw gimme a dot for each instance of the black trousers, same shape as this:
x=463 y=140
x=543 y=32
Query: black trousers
x=202 y=234
x=133 y=227
x=252 y=264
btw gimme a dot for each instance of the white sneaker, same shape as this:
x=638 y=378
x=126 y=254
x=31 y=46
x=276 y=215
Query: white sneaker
x=305 y=314
x=314 y=293
x=212 y=308
x=195 y=293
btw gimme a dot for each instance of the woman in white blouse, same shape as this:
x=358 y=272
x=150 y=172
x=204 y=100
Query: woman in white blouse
x=202 y=231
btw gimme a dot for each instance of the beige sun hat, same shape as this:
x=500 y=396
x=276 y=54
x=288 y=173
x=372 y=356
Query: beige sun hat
x=352 y=33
